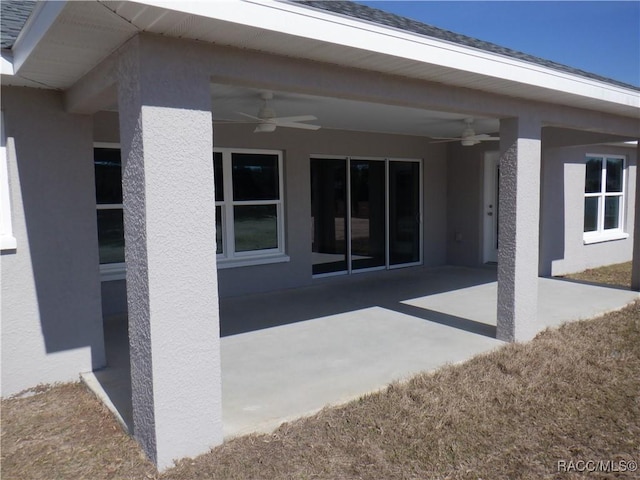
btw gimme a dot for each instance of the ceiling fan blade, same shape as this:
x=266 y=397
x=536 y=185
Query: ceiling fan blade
x=445 y=139
x=303 y=126
x=299 y=118
x=484 y=136
x=250 y=116
x=234 y=122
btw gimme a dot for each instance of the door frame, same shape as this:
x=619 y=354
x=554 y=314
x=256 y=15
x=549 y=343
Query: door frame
x=490 y=207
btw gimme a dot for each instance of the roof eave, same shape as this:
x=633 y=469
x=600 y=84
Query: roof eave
x=40 y=21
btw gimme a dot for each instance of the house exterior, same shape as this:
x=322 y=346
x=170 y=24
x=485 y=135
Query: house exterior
x=121 y=138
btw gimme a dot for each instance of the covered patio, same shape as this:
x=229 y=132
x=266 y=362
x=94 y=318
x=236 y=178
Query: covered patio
x=290 y=353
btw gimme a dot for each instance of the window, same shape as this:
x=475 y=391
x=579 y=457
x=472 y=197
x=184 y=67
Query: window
x=7 y=240
x=249 y=215
x=248 y=202
x=604 y=198
x=108 y=178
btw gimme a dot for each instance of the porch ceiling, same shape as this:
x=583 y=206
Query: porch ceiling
x=342 y=114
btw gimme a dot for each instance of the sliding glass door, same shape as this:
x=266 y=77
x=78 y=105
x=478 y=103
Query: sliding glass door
x=365 y=214
x=368 y=218
x=404 y=212
x=329 y=215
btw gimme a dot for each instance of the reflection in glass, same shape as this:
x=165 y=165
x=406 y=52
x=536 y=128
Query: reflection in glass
x=219 y=249
x=367 y=214
x=404 y=212
x=217 y=176
x=111 y=236
x=591 y=214
x=593 y=183
x=328 y=215
x=107 y=166
x=255 y=177
x=614 y=175
x=256 y=227
x=611 y=212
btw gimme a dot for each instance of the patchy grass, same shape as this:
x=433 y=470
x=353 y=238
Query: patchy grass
x=618 y=275
x=65 y=432
x=570 y=394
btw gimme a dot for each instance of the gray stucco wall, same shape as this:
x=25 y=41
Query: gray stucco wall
x=464 y=203
x=562 y=249
x=298 y=146
x=51 y=315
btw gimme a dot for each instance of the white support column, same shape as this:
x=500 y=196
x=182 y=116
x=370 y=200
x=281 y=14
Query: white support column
x=519 y=213
x=635 y=269
x=167 y=148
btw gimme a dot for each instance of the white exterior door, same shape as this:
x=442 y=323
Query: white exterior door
x=490 y=205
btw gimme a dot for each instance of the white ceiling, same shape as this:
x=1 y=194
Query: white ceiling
x=341 y=114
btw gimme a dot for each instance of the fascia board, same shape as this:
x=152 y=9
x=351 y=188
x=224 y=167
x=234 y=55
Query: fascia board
x=330 y=28
x=43 y=17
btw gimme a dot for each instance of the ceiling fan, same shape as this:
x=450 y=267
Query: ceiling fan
x=468 y=138
x=267 y=121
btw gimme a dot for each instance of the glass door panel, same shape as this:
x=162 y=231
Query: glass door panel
x=329 y=215
x=404 y=212
x=367 y=214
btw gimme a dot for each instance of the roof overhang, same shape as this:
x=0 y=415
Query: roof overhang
x=62 y=41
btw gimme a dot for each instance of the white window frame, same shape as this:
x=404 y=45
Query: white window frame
x=229 y=257
x=111 y=271
x=7 y=240
x=117 y=271
x=601 y=234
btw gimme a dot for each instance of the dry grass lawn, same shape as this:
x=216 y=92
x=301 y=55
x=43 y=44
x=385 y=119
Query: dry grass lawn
x=571 y=394
x=618 y=275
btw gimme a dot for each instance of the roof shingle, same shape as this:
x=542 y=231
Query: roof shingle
x=13 y=15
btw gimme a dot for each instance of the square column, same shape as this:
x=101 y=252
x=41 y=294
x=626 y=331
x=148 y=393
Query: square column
x=518 y=235
x=635 y=268
x=168 y=195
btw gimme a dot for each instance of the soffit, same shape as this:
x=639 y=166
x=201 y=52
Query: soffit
x=85 y=33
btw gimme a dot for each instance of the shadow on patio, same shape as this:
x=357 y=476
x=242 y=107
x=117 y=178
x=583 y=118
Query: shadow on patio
x=290 y=353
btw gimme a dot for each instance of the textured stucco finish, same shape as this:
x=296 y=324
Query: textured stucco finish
x=562 y=248
x=165 y=120
x=51 y=317
x=519 y=225
x=465 y=202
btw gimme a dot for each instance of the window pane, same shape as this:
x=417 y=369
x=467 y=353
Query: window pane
x=591 y=214
x=107 y=166
x=328 y=215
x=593 y=183
x=217 y=176
x=614 y=175
x=256 y=227
x=255 y=177
x=368 y=221
x=219 y=230
x=111 y=236
x=611 y=212
x=404 y=212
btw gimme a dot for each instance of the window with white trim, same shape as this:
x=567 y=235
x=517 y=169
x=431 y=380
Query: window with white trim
x=7 y=240
x=108 y=179
x=248 y=202
x=604 y=197
x=249 y=205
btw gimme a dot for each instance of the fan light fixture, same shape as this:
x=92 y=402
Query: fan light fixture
x=468 y=138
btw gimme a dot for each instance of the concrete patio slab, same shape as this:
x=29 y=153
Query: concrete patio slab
x=290 y=353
